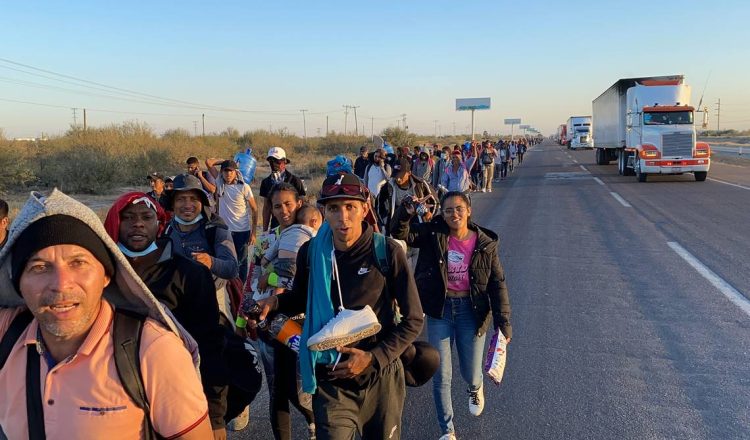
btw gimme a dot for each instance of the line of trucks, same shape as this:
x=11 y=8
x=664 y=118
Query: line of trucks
x=645 y=124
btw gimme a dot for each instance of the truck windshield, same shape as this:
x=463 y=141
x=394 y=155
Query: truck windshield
x=582 y=130
x=667 y=118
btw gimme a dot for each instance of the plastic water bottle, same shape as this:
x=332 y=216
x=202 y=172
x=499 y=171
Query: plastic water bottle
x=283 y=329
x=246 y=163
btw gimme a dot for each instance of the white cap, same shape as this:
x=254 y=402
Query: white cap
x=277 y=153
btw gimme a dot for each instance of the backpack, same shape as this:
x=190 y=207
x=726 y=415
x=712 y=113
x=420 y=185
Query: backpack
x=486 y=159
x=126 y=332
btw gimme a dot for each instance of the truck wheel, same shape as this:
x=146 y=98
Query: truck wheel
x=638 y=174
x=621 y=164
x=599 y=156
x=700 y=176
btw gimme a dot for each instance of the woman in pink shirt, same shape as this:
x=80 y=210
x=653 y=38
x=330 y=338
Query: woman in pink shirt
x=462 y=289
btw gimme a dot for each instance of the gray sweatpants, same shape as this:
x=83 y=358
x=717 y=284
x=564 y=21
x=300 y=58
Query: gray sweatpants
x=372 y=410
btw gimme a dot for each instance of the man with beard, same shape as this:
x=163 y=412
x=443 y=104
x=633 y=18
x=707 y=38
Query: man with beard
x=62 y=348
x=278 y=161
x=364 y=392
x=198 y=234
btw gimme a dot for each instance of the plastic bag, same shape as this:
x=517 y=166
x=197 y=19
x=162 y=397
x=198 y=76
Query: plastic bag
x=494 y=366
x=246 y=163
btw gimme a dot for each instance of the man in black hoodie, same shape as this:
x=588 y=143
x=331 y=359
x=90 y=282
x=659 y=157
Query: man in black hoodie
x=365 y=391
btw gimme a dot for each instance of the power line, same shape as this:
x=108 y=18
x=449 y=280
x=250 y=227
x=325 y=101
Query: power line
x=88 y=83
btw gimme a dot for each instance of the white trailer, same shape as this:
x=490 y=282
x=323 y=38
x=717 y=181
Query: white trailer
x=579 y=132
x=647 y=125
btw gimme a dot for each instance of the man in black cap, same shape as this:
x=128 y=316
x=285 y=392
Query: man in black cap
x=158 y=193
x=402 y=185
x=236 y=207
x=365 y=391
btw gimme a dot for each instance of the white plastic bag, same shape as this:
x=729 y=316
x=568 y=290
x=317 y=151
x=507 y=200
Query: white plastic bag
x=494 y=366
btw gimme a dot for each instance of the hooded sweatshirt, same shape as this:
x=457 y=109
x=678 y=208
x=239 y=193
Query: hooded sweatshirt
x=126 y=290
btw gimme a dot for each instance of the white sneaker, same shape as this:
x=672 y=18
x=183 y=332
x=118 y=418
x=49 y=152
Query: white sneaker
x=346 y=327
x=240 y=422
x=448 y=436
x=484 y=190
x=489 y=190
x=476 y=401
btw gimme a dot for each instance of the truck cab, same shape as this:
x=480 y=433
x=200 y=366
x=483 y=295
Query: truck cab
x=660 y=132
x=579 y=132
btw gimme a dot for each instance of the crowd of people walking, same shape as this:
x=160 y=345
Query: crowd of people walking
x=324 y=297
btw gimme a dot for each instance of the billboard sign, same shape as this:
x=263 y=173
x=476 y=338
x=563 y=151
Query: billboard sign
x=512 y=121
x=524 y=127
x=472 y=104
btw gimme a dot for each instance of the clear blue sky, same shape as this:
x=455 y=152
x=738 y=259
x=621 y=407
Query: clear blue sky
x=538 y=60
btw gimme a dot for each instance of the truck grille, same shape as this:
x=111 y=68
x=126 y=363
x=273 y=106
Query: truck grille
x=584 y=139
x=677 y=145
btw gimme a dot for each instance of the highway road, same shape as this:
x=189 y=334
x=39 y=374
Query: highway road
x=630 y=308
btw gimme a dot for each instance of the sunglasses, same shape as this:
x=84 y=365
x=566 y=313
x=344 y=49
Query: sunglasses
x=349 y=189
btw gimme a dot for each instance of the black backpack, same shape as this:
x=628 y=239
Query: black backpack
x=126 y=332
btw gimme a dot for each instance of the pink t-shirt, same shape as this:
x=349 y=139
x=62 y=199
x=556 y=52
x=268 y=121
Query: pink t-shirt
x=459 y=258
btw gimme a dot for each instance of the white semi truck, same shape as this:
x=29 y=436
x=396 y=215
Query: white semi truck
x=579 y=132
x=647 y=125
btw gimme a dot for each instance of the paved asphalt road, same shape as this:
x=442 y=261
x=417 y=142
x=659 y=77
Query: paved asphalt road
x=616 y=336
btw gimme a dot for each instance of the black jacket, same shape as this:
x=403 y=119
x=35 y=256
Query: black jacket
x=488 y=292
x=386 y=205
x=187 y=289
x=363 y=284
x=360 y=165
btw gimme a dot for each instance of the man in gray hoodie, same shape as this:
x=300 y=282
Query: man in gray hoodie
x=63 y=286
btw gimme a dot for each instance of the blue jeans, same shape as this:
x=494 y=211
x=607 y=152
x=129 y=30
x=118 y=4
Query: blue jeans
x=458 y=325
x=240 y=245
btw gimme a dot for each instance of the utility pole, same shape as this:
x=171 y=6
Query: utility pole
x=203 y=120
x=372 y=129
x=435 y=121
x=346 y=115
x=304 y=125
x=356 y=124
x=84 y=120
x=75 y=117
x=718 y=115
x=403 y=118
x=195 y=128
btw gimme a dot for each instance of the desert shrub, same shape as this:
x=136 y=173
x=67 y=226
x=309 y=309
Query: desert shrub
x=84 y=168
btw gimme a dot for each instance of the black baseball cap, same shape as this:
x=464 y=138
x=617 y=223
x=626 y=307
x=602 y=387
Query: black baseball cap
x=343 y=186
x=401 y=167
x=155 y=176
x=228 y=165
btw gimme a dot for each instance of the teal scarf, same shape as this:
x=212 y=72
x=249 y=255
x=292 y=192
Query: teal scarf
x=319 y=306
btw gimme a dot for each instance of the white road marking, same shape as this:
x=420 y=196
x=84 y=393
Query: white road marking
x=728 y=183
x=575 y=161
x=583 y=167
x=621 y=200
x=730 y=292
x=599 y=181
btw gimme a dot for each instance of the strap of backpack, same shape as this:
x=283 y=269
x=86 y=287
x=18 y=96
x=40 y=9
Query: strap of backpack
x=16 y=329
x=381 y=254
x=34 y=408
x=127 y=341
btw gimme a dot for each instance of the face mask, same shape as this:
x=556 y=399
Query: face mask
x=192 y=222
x=133 y=254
